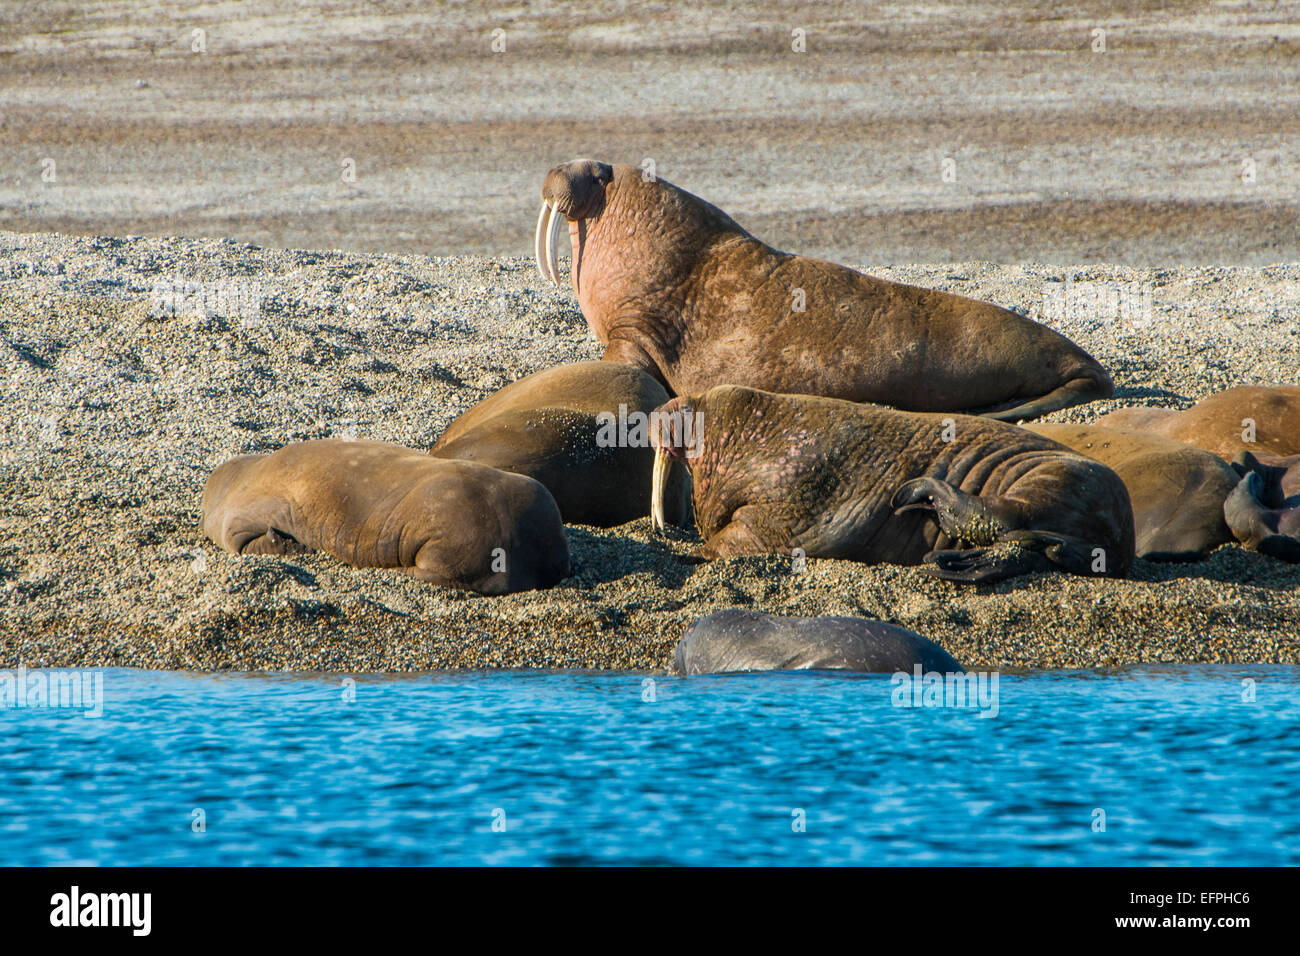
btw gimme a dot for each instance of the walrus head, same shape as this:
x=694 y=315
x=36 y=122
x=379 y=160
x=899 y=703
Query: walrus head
x=572 y=191
x=676 y=434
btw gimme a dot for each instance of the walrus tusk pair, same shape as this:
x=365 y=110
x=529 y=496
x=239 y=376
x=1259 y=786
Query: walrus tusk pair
x=547 y=241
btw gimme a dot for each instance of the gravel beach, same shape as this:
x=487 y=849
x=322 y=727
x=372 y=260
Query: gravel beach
x=116 y=409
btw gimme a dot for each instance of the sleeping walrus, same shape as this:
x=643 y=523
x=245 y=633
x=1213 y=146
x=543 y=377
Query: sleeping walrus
x=835 y=479
x=562 y=427
x=375 y=505
x=1247 y=418
x=674 y=286
x=1177 y=491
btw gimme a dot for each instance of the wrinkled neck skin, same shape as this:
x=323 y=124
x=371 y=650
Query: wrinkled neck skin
x=634 y=266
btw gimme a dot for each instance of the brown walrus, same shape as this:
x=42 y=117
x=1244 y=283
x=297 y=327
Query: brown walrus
x=672 y=285
x=1225 y=422
x=837 y=479
x=1177 y=491
x=561 y=427
x=371 y=504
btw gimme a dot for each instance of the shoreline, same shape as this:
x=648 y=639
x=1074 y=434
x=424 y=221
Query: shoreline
x=114 y=417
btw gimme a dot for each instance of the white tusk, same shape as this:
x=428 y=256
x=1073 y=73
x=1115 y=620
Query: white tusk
x=553 y=244
x=537 y=239
x=658 y=482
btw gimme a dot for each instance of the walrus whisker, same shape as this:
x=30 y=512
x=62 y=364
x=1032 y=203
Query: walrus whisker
x=537 y=239
x=553 y=244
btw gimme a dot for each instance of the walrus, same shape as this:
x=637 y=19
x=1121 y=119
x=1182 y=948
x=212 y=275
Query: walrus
x=372 y=504
x=561 y=427
x=1226 y=422
x=1177 y=491
x=738 y=640
x=1264 y=509
x=672 y=285
x=836 y=479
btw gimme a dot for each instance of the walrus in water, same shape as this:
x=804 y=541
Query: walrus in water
x=740 y=640
x=1248 y=418
x=672 y=285
x=774 y=473
x=371 y=504
x=1177 y=491
x=562 y=427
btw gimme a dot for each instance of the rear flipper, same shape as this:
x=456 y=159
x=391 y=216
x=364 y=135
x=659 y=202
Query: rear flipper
x=1092 y=384
x=1271 y=531
x=1017 y=552
x=1003 y=549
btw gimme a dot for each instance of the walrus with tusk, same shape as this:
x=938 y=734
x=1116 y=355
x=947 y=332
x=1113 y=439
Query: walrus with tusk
x=672 y=285
x=371 y=504
x=976 y=500
x=579 y=429
x=1249 y=418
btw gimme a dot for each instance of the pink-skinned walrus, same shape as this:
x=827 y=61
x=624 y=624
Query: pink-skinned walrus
x=672 y=285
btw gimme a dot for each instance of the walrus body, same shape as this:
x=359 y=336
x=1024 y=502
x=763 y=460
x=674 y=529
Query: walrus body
x=1177 y=491
x=555 y=426
x=773 y=473
x=1264 y=509
x=1224 y=422
x=371 y=504
x=740 y=640
x=672 y=285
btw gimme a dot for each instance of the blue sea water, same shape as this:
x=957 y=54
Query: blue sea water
x=583 y=768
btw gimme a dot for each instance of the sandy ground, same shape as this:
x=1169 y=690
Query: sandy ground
x=113 y=417
x=1176 y=145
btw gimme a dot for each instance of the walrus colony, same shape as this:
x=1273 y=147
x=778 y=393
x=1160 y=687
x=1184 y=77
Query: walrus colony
x=781 y=404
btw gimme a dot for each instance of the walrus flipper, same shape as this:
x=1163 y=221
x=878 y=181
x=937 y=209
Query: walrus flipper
x=1002 y=550
x=1090 y=386
x=1015 y=553
x=1271 y=531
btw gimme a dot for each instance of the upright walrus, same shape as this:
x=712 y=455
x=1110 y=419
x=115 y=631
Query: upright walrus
x=774 y=473
x=582 y=431
x=1249 y=418
x=371 y=504
x=672 y=285
x=737 y=640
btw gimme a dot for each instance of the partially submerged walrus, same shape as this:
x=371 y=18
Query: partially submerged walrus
x=1247 y=418
x=582 y=431
x=672 y=285
x=774 y=473
x=738 y=640
x=371 y=504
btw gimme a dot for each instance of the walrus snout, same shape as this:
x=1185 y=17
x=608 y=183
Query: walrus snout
x=675 y=435
x=577 y=188
x=572 y=191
